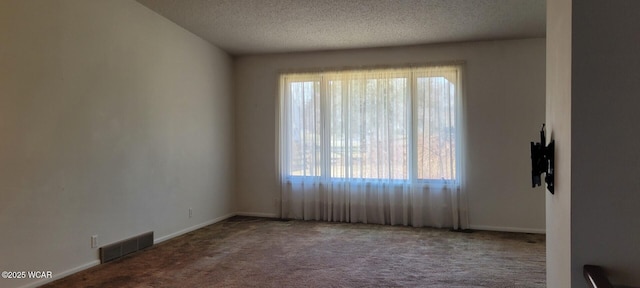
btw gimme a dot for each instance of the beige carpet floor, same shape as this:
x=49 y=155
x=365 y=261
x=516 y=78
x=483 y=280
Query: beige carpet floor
x=258 y=252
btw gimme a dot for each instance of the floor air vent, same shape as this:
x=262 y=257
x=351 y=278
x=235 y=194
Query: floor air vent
x=116 y=250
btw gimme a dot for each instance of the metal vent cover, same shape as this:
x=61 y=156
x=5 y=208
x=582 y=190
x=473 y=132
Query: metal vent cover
x=121 y=248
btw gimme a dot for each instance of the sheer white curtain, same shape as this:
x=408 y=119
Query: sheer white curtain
x=374 y=146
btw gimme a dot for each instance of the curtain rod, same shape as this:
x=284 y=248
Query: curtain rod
x=371 y=67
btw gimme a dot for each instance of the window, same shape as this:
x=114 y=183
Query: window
x=370 y=125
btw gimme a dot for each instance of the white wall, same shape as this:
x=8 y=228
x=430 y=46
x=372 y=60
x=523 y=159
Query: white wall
x=593 y=67
x=505 y=84
x=558 y=206
x=113 y=121
x=606 y=145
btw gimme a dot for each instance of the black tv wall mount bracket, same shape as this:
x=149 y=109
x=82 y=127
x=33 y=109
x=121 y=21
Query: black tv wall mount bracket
x=542 y=161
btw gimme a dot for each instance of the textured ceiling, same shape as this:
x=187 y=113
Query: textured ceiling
x=269 y=26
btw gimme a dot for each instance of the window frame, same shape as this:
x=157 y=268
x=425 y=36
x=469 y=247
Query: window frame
x=411 y=75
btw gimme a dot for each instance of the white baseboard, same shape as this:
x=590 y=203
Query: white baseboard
x=254 y=214
x=192 y=228
x=62 y=274
x=508 y=229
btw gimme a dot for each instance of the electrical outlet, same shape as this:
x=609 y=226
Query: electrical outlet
x=94 y=241
x=190 y=212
